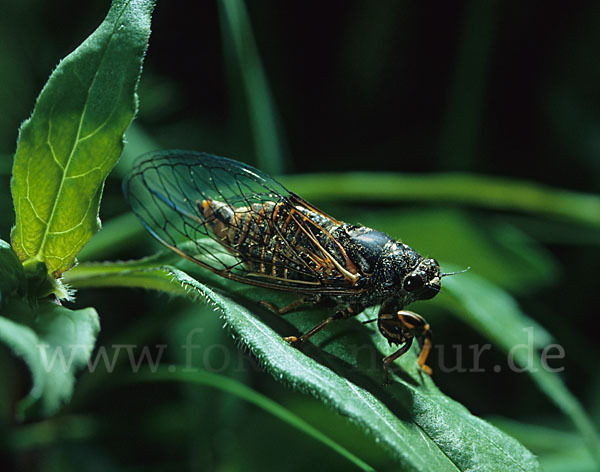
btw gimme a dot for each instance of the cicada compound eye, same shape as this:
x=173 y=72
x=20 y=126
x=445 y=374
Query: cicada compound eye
x=413 y=283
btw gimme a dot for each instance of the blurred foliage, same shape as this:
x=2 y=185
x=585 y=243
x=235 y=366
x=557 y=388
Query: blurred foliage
x=506 y=89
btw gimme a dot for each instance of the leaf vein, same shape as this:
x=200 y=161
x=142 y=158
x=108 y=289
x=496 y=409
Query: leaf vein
x=90 y=171
x=50 y=146
x=35 y=213
x=76 y=141
x=106 y=120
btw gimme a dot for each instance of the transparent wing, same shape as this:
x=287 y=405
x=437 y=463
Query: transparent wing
x=237 y=222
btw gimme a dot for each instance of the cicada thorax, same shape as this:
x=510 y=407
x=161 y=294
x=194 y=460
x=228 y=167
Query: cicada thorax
x=280 y=240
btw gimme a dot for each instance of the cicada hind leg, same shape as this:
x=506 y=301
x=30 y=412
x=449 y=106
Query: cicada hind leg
x=343 y=314
x=313 y=299
x=401 y=328
x=290 y=306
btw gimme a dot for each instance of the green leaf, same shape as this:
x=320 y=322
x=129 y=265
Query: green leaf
x=55 y=343
x=74 y=138
x=493 y=312
x=558 y=450
x=420 y=427
x=12 y=276
x=146 y=273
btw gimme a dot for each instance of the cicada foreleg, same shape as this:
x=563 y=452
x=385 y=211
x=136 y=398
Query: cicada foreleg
x=344 y=314
x=425 y=348
x=401 y=328
x=387 y=361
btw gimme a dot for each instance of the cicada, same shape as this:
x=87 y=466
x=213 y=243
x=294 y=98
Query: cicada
x=242 y=224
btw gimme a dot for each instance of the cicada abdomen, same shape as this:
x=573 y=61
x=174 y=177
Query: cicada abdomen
x=281 y=241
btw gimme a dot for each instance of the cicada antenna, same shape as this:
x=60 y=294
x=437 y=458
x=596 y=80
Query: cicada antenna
x=455 y=273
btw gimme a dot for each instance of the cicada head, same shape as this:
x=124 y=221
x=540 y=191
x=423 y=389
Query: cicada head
x=406 y=276
x=423 y=281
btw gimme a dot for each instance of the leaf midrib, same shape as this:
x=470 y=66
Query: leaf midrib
x=40 y=252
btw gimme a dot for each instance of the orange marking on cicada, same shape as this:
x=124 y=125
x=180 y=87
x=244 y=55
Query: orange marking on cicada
x=351 y=273
x=349 y=264
x=405 y=323
x=425 y=352
x=245 y=223
x=305 y=204
x=289 y=218
x=319 y=262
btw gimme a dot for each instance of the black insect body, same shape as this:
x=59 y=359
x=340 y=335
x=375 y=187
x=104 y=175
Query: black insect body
x=242 y=224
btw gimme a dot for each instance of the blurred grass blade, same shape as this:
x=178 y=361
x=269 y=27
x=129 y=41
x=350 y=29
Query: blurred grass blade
x=74 y=138
x=458 y=146
x=422 y=428
x=243 y=54
x=496 y=314
x=240 y=390
x=456 y=188
x=117 y=233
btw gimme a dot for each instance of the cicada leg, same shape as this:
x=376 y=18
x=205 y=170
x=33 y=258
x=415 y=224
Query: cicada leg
x=290 y=306
x=387 y=361
x=401 y=328
x=425 y=348
x=344 y=314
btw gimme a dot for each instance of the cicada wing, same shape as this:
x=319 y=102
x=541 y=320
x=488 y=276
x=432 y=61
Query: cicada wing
x=166 y=189
x=225 y=215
